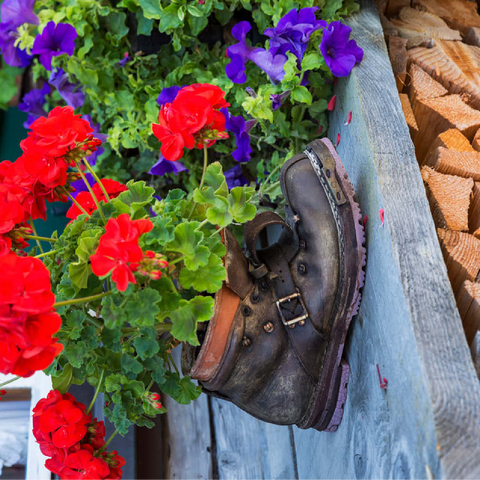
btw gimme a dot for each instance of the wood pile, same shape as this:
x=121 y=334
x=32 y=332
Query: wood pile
x=434 y=48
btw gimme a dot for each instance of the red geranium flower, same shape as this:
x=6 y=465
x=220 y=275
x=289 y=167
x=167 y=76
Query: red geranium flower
x=192 y=119
x=25 y=284
x=26 y=342
x=118 y=249
x=83 y=465
x=58 y=133
x=60 y=420
x=85 y=199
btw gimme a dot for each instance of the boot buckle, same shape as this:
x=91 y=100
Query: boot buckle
x=286 y=299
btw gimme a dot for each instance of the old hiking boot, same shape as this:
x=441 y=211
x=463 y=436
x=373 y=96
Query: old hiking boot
x=274 y=345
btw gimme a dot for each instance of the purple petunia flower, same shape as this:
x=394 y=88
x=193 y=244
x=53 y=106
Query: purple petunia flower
x=235 y=178
x=240 y=129
x=126 y=58
x=71 y=92
x=14 y=13
x=164 y=166
x=340 y=53
x=79 y=185
x=293 y=31
x=168 y=95
x=238 y=53
x=92 y=159
x=33 y=103
x=54 y=40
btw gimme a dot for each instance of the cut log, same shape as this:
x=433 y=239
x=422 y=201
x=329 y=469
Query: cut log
x=394 y=7
x=442 y=68
x=461 y=252
x=436 y=115
x=468 y=302
x=397 y=52
x=422 y=86
x=409 y=116
x=461 y=164
x=418 y=27
x=459 y=14
x=473 y=37
x=449 y=198
x=476 y=141
x=474 y=213
x=452 y=139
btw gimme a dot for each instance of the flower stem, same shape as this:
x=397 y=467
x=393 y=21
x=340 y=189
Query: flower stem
x=112 y=436
x=35 y=232
x=97 y=391
x=51 y=252
x=45 y=239
x=95 y=199
x=9 y=381
x=76 y=203
x=95 y=176
x=82 y=300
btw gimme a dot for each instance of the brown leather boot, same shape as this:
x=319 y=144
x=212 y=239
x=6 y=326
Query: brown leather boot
x=274 y=345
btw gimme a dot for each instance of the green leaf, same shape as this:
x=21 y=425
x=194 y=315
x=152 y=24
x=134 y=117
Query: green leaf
x=131 y=364
x=113 y=313
x=152 y=9
x=301 y=94
x=209 y=278
x=239 y=204
x=147 y=346
x=185 y=317
x=63 y=381
x=141 y=308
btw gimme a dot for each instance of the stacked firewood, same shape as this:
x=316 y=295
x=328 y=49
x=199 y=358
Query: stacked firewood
x=434 y=47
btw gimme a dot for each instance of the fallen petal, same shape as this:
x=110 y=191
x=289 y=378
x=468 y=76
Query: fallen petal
x=331 y=103
x=349 y=118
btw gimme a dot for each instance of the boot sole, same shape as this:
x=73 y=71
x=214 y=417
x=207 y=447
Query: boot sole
x=327 y=406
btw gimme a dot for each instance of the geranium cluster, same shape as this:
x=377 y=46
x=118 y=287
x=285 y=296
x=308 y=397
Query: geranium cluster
x=27 y=318
x=191 y=119
x=73 y=440
x=120 y=255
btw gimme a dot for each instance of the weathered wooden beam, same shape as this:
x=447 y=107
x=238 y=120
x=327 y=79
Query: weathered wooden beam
x=449 y=198
x=459 y=14
x=461 y=252
x=451 y=139
x=409 y=116
x=398 y=57
x=468 y=301
x=247 y=448
x=462 y=164
x=436 y=115
x=421 y=349
x=419 y=27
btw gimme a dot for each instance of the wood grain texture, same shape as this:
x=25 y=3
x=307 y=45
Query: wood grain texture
x=449 y=198
x=187 y=437
x=248 y=448
x=452 y=139
x=435 y=115
x=408 y=321
x=468 y=301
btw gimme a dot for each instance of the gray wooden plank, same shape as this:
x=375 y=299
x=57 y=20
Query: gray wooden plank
x=250 y=449
x=427 y=422
x=187 y=437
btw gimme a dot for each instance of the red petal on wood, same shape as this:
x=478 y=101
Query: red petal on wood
x=349 y=118
x=331 y=103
